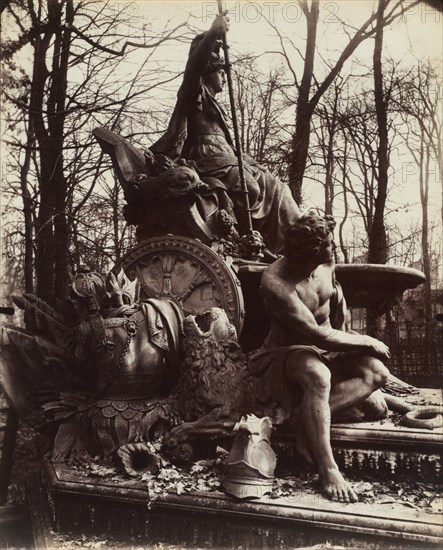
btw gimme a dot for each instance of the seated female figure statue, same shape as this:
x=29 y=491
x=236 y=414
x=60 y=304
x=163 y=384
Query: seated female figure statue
x=198 y=131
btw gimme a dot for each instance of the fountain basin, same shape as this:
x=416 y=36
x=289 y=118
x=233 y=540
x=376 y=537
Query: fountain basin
x=364 y=285
x=374 y=285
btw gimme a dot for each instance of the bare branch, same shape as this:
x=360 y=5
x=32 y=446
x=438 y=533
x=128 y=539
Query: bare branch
x=127 y=44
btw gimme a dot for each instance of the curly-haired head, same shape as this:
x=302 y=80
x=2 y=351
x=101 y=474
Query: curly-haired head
x=306 y=239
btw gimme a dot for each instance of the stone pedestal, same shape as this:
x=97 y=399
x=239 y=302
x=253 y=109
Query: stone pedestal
x=382 y=451
x=126 y=510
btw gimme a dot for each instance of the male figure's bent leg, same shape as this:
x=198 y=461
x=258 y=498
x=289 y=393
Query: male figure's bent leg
x=365 y=374
x=307 y=370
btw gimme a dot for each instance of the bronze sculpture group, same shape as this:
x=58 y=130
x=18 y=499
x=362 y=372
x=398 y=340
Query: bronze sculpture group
x=115 y=369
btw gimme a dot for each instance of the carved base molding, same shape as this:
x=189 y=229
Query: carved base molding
x=380 y=451
x=127 y=511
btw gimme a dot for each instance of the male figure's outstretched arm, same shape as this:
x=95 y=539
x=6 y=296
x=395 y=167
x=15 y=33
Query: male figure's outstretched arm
x=286 y=308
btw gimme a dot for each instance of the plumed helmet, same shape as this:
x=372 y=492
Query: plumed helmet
x=216 y=62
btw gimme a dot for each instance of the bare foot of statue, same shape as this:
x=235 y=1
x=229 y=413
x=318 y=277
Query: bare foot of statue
x=302 y=444
x=336 y=487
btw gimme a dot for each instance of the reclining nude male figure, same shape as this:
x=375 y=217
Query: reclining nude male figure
x=309 y=359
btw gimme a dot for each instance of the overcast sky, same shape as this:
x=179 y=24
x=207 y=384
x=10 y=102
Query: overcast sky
x=421 y=28
x=416 y=35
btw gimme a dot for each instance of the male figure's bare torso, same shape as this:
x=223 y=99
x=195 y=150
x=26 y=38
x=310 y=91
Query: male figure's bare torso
x=305 y=295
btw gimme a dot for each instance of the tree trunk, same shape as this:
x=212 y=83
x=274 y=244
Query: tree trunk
x=27 y=213
x=52 y=228
x=341 y=226
x=331 y=122
x=115 y=221
x=377 y=238
x=306 y=105
x=425 y=154
x=300 y=141
x=424 y=195
x=377 y=252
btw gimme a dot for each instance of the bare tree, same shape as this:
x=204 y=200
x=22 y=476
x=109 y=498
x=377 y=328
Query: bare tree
x=419 y=102
x=82 y=43
x=377 y=251
x=311 y=89
x=262 y=111
x=327 y=128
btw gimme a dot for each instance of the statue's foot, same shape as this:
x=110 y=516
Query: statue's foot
x=302 y=445
x=336 y=487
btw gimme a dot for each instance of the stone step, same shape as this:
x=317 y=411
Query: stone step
x=381 y=449
x=125 y=510
x=377 y=449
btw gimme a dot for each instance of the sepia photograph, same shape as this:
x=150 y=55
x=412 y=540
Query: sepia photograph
x=221 y=274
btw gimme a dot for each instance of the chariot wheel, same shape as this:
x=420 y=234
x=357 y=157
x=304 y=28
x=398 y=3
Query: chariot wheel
x=186 y=271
